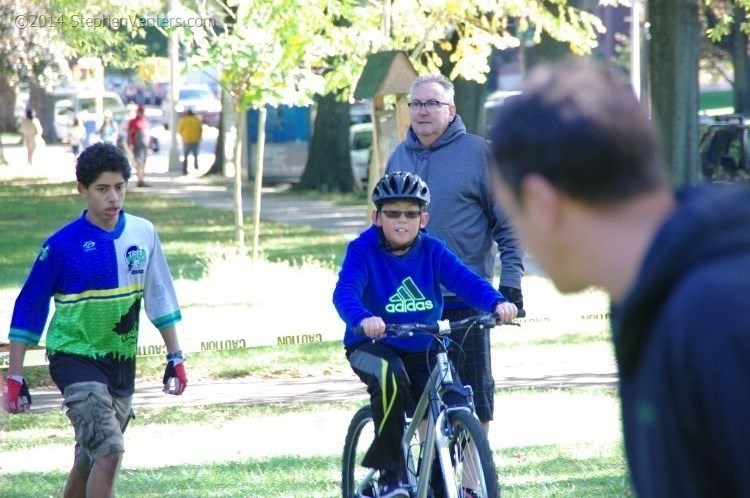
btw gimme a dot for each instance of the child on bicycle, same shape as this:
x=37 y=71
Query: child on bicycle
x=392 y=273
x=98 y=268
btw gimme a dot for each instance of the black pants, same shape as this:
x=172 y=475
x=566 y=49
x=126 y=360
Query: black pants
x=470 y=354
x=395 y=380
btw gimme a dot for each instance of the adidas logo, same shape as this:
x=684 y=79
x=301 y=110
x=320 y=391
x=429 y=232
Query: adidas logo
x=408 y=298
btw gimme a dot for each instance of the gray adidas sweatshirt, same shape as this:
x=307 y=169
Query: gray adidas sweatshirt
x=462 y=211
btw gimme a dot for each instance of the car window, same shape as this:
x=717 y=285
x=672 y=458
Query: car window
x=63 y=107
x=87 y=105
x=718 y=143
x=111 y=104
x=362 y=140
x=195 y=94
x=734 y=147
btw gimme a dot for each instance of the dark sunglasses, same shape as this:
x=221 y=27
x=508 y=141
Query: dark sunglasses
x=394 y=215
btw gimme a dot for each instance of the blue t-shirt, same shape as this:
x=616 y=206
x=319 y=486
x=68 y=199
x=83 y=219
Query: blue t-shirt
x=404 y=289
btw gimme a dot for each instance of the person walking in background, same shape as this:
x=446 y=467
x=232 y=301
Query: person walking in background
x=98 y=269
x=109 y=130
x=76 y=135
x=138 y=140
x=590 y=196
x=453 y=163
x=190 y=128
x=31 y=131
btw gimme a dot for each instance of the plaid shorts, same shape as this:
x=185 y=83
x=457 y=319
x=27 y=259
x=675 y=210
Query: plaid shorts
x=99 y=419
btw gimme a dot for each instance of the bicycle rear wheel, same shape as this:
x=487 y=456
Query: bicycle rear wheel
x=473 y=467
x=356 y=479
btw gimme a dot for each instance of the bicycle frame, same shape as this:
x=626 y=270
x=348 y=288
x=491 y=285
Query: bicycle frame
x=440 y=377
x=438 y=436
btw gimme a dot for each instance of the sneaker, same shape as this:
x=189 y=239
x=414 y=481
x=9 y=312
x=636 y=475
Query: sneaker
x=390 y=486
x=470 y=493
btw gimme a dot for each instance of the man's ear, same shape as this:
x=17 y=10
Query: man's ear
x=424 y=219
x=541 y=201
x=82 y=189
x=375 y=216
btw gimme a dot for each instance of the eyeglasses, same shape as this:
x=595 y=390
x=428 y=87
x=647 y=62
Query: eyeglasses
x=394 y=215
x=430 y=105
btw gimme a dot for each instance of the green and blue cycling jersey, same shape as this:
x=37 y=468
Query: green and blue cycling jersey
x=98 y=280
x=404 y=288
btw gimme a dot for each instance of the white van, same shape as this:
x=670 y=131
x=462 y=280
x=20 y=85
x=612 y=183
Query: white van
x=360 y=147
x=82 y=104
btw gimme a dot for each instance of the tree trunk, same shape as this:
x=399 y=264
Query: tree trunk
x=217 y=168
x=42 y=104
x=329 y=164
x=741 y=65
x=673 y=61
x=470 y=97
x=7 y=106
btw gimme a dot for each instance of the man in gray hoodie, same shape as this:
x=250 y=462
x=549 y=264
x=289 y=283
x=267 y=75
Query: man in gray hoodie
x=463 y=213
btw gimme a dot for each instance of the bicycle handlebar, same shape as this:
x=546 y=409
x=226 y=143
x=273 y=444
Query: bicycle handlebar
x=443 y=327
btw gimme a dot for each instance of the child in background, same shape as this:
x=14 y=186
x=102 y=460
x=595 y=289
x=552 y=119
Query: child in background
x=76 y=135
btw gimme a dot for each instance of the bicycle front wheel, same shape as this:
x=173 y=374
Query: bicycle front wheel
x=472 y=467
x=357 y=480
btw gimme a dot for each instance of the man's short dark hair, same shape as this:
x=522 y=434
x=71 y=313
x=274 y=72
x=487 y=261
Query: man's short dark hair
x=99 y=158
x=578 y=124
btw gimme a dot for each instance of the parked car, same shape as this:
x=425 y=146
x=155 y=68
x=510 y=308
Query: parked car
x=70 y=104
x=360 y=146
x=725 y=149
x=492 y=106
x=155 y=120
x=197 y=97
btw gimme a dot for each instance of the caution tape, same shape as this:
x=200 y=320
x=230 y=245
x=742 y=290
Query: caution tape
x=149 y=344
x=38 y=357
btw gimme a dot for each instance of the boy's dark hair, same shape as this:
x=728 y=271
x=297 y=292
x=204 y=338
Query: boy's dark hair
x=99 y=158
x=579 y=125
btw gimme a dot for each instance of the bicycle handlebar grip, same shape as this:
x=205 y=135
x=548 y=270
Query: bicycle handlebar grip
x=358 y=331
x=521 y=313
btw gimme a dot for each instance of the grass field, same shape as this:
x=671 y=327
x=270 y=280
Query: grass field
x=31 y=211
x=538 y=472
x=561 y=441
x=245 y=451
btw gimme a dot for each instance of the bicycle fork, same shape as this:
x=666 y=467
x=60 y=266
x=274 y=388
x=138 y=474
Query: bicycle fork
x=434 y=438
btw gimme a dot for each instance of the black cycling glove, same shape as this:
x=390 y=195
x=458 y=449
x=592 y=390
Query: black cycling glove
x=513 y=295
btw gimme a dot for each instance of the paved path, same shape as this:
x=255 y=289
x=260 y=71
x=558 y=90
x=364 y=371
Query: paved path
x=56 y=162
x=277 y=203
x=291 y=391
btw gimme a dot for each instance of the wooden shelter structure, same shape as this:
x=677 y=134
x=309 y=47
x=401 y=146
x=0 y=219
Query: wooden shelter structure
x=386 y=73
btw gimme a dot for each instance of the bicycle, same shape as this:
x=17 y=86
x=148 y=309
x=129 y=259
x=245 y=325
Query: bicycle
x=453 y=433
